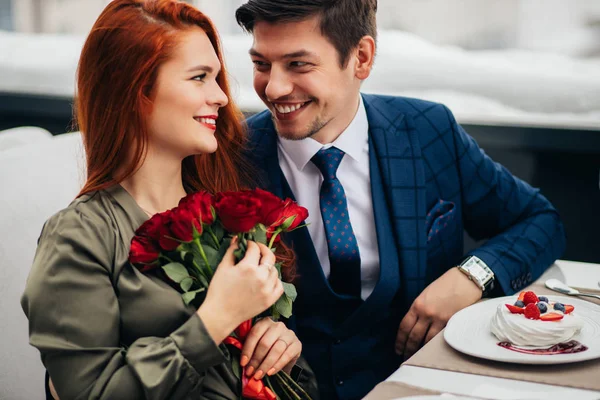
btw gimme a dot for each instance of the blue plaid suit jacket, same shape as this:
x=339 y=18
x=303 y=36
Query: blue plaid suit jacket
x=430 y=181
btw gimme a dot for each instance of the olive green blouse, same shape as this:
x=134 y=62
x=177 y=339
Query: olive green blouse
x=107 y=331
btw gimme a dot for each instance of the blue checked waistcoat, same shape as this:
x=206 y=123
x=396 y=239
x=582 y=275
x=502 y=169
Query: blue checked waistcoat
x=429 y=182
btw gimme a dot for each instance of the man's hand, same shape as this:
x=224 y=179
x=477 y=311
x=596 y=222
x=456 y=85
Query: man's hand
x=430 y=312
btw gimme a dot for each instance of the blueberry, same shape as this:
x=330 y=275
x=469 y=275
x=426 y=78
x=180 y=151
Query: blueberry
x=542 y=307
x=543 y=298
x=559 y=307
x=519 y=303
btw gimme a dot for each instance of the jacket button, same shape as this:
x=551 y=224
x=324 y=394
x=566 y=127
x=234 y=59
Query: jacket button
x=339 y=381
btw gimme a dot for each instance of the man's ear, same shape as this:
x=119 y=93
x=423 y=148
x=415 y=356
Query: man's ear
x=365 y=55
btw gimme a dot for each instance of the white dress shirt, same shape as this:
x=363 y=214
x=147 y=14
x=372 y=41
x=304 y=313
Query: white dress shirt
x=305 y=180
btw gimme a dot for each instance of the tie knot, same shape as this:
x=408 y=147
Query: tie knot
x=328 y=161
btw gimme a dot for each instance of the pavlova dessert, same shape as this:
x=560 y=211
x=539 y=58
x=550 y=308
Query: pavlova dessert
x=535 y=322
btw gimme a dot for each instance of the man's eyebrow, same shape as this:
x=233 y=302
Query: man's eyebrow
x=205 y=68
x=255 y=53
x=299 y=53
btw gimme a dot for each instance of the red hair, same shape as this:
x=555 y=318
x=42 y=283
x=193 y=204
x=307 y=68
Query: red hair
x=116 y=76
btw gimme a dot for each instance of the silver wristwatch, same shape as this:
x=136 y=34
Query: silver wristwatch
x=478 y=272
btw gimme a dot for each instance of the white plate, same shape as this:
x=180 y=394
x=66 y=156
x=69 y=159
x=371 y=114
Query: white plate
x=468 y=331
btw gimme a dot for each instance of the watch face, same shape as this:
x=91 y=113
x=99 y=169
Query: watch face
x=478 y=272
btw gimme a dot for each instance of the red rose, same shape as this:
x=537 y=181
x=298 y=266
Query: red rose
x=151 y=228
x=238 y=211
x=243 y=329
x=288 y=216
x=165 y=241
x=182 y=223
x=199 y=204
x=271 y=207
x=143 y=251
x=292 y=209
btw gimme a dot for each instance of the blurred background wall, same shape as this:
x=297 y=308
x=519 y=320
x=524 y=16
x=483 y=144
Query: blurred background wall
x=566 y=26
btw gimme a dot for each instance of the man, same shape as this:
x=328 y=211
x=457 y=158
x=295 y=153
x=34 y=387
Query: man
x=390 y=183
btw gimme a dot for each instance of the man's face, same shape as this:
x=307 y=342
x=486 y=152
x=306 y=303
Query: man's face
x=297 y=74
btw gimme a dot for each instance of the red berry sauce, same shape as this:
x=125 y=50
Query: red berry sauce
x=570 y=347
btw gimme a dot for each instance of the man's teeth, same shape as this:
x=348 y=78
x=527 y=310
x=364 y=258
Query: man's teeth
x=209 y=121
x=284 y=109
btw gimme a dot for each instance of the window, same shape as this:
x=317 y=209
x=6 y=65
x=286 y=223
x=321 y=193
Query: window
x=516 y=59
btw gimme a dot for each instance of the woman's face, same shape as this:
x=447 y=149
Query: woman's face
x=187 y=99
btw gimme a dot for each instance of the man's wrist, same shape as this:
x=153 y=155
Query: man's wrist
x=479 y=273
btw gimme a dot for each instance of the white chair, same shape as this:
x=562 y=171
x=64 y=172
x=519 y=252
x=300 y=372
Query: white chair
x=36 y=181
x=15 y=137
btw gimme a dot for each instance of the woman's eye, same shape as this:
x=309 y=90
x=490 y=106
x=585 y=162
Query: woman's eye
x=199 y=78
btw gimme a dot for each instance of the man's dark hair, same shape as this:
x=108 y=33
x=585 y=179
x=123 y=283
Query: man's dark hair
x=343 y=22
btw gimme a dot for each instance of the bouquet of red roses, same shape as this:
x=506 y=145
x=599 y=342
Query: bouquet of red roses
x=189 y=241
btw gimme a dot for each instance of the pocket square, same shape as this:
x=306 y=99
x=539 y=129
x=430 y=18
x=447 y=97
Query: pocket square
x=438 y=217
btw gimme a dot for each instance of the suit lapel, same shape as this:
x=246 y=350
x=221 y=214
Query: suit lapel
x=396 y=147
x=264 y=155
x=398 y=193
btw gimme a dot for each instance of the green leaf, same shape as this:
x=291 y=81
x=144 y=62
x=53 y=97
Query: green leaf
x=186 y=283
x=203 y=281
x=275 y=314
x=207 y=238
x=188 y=258
x=189 y=296
x=197 y=255
x=237 y=369
x=175 y=271
x=290 y=291
x=288 y=222
x=218 y=230
x=260 y=234
x=225 y=243
x=284 y=306
x=212 y=255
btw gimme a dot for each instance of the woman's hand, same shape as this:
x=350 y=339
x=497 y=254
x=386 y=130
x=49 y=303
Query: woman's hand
x=52 y=390
x=238 y=292
x=269 y=348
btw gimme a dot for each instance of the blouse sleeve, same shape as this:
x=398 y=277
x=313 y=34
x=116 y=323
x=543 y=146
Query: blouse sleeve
x=74 y=322
x=305 y=377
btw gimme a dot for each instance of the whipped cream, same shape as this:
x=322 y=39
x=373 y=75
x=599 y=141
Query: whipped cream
x=521 y=331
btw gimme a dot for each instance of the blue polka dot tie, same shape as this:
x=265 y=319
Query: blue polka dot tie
x=344 y=257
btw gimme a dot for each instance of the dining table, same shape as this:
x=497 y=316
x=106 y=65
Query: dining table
x=437 y=370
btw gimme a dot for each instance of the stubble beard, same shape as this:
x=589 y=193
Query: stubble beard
x=315 y=126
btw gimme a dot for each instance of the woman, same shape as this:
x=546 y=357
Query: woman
x=154 y=111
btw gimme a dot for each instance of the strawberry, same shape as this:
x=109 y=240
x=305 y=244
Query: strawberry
x=515 y=309
x=530 y=298
x=532 y=311
x=521 y=296
x=551 y=317
x=569 y=309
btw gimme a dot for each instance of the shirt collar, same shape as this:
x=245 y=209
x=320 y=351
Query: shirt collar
x=352 y=141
